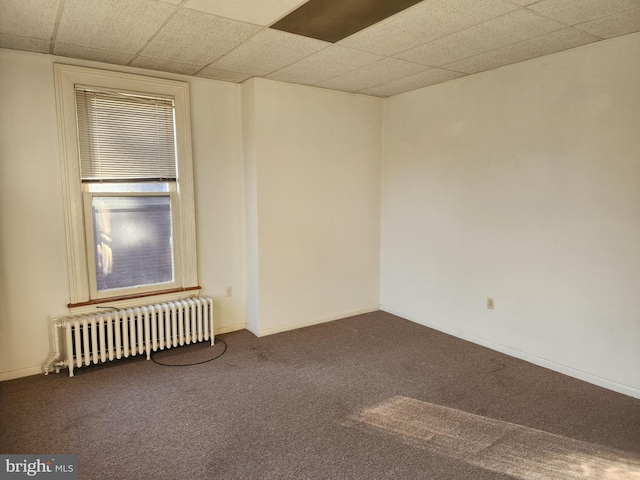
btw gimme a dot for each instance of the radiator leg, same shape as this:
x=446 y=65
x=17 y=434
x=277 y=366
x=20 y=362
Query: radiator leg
x=55 y=358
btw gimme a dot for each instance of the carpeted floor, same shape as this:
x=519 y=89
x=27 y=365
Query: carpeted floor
x=367 y=397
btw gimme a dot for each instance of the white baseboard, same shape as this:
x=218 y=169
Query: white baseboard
x=293 y=326
x=229 y=328
x=557 y=367
x=21 y=372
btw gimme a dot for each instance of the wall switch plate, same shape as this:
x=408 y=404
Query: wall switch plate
x=229 y=291
x=490 y=304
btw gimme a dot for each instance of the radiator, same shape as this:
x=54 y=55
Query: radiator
x=115 y=334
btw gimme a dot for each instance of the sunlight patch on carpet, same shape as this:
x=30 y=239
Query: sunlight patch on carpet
x=498 y=446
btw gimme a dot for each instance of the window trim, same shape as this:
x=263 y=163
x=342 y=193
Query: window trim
x=66 y=77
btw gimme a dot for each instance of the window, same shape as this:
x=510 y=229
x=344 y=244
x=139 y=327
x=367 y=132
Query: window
x=128 y=186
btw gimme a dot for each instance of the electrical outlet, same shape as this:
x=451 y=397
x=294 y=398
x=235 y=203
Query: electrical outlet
x=490 y=304
x=229 y=291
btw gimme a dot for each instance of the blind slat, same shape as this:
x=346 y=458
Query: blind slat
x=125 y=137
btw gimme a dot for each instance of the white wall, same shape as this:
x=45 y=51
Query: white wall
x=309 y=185
x=33 y=271
x=315 y=155
x=251 y=205
x=523 y=184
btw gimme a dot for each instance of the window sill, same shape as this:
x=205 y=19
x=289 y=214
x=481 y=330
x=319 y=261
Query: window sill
x=106 y=304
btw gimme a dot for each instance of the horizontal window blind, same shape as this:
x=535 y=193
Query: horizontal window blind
x=124 y=137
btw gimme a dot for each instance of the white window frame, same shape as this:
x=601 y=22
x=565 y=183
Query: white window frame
x=79 y=261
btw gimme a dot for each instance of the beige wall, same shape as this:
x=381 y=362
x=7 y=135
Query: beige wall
x=33 y=272
x=310 y=220
x=523 y=184
x=315 y=156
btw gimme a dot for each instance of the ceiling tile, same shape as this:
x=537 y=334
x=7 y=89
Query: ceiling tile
x=165 y=65
x=75 y=51
x=28 y=18
x=583 y=10
x=228 y=40
x=197 y=38
x=223 y=75
x=29 y=44
x=412 y=82
x=424 y=22
x=117 y=25
x=615 y=25
x=267 y=51
x=258 y=12
x=325 y=64
x=532 y=48
x=380 y=72
x=501 y=31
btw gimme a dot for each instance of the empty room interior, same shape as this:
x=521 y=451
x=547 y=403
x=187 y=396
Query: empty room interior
x=402 y=237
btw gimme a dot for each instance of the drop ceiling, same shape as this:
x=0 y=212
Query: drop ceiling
x=428 y=42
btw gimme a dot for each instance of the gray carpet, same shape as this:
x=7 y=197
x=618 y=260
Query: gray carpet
x=367 y=397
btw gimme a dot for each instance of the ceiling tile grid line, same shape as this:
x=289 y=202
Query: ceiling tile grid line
x=56 y=26
x=363 y=64
x=424 y=22
x=541 y=45
x=613 y=25
x=430 y=42
x=268 y=51
x=234 y=48
x=573 y=13
x=152 y=37
x=490 y=35
x=257 y=12
x=198 y=38
x=452 y=35
x=330 y=62
x=119 y=25
x=456 y=30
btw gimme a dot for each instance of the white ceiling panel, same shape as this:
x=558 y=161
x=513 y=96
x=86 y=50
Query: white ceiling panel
x=259 y=12
x=532 y=48
x=223 y=75
x=498 y=32
x=325 y=64
x=230 y=40
x=572 y=12
x=28 y=44
x=412 y=82
x=267 y=51
x=197 y=38
x=117 y=25
x=165 y=65
x=28 y=18
x=614 y=25
x=94 y=54
x=424 y=22
x=374 y=74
